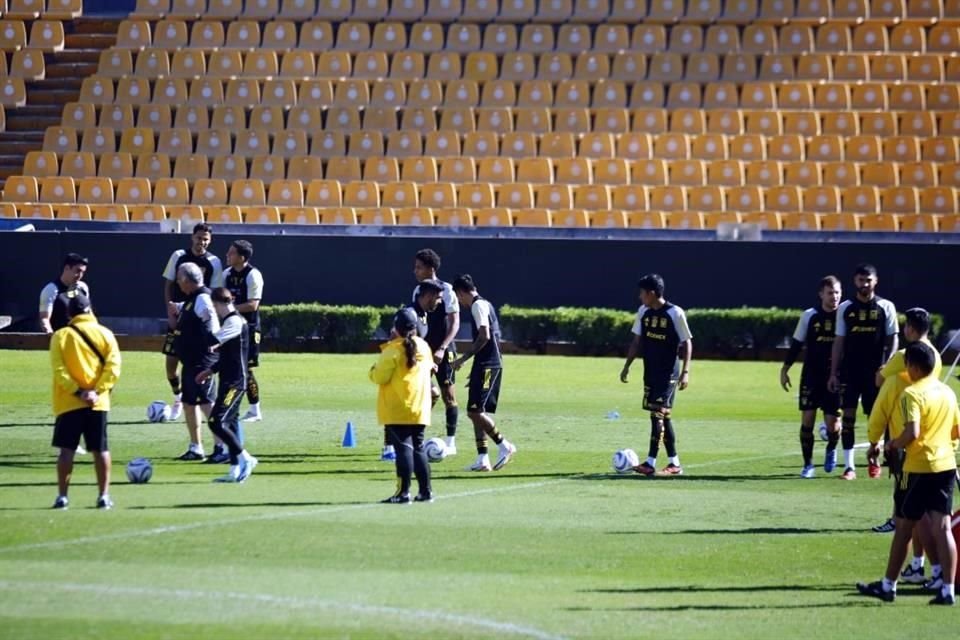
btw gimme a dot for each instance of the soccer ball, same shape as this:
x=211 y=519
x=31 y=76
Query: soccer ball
x=139 y=471
x=435 y=449
x=823 y=432
x=625 y=460
x=158 y=411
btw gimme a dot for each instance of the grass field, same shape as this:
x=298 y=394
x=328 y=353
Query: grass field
x=553 y=546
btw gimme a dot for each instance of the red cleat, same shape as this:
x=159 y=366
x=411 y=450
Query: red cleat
x=874 y=470
x=645 y=469
x=849 y=474
x=672 y=470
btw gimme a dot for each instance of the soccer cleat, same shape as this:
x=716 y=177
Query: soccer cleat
x=80 y=451
x=252 y=415
x=848 y=474
x=219 y=456
x=61 y=503
x=944 y=600
x=231 y=476
x=830 y=461
x=451 y=450
x=873 y=470
x=397 y=499
x=247 y=465
x=672 y=470
x=807 y=472
x=935 y=583
x=423 y=497
x=886 y=527
x=876 y=590
x=104 y=502
x=505 y=452
x=645 y=469
x=482 y=464
x=176 y=410
x=388 y=454
x=191 y=456
x=913 y=576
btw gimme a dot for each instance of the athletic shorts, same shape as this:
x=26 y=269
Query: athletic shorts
x=815 y=395
x=484 y=389
x=445 y=374
x=253 y=349
x=659 y=394
x=927 y=492
x=168 y=346
x=860 y=386
x=227 y=407
x=92 y=425
x=193 y=393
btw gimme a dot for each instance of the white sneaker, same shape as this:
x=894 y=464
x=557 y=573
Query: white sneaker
x=176 y=410
x=482 y=464
x=252 y=415
x=232 y=475
x=451 y=450
x=80 y=451
x=450 y=446
x=506 y=451
x=246 y=468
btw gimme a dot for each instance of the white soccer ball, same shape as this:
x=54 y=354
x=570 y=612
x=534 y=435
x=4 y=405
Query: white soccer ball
x=435 y=449
x=823 y=431
x=625 y=460
x=158 y=411
x=139 y=471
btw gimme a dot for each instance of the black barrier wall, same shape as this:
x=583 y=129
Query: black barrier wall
x=125 y=270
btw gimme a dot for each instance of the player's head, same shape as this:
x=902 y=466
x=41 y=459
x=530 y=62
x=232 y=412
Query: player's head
x=222 y=300
x=865 y=280
x=830 y=292
x=916 y=324
x=74 y=266
x=200 y=240
x=426 y=263
x=429 y=294
x=189 y=277
x=239 y=253
x=920 y=359
x=465 y=289
x=651 y=288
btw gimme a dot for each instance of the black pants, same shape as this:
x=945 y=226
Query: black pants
x=407 y=439
x=224 y=421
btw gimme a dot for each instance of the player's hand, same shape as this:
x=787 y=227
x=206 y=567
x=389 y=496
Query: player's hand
x=785 y=380
x=456 y=364
x=833 y=384
x=879 y=379
x=684 y=380
x=438 y=355
x=624 y=374
x=89 y=396
x=873 y=451
x=203 y=376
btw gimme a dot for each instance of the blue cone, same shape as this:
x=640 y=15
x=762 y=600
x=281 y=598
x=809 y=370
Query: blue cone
x=349 y=438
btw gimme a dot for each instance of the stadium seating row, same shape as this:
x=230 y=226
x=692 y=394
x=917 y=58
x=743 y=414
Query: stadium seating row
x=497 y=216
x=552 y=11
x=45 y=35
x=33 y=9
x=461 y=37
x=250 y=92
x=153 y=63
x=516 y=195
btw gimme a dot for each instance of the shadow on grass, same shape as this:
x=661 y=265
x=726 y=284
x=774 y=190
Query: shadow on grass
x=688 y=477
x=49 y=423
x=730 y=607
x=749 y=530
x=759 y=588
x=221 y=505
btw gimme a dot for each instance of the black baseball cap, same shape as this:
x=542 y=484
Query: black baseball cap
x=405 y=320
x=76 y=303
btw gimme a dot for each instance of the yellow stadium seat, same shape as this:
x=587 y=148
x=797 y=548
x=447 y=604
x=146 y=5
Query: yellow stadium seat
x=918 y=174
x=338 y=215
x=170 y=34
x=72 y=211
x=438 y=194
x=305 y=168
x=805 y=221
x=629 y=197
x=649 y=172
x=209 y=191
x=77 y=164
x=267 y=168
x=400 y=194
x=492 y=217
x=76 y=115
x=361 y=194
x=686 y=172
x=940 y=149
x=784 y=199
x=297 y=64
x=110 y=213
x=175 y=142
x=496 y=170
x=187 y=9
x=713 y=219
x=684 y=220
x=418 y=169
x=131 y=34
x=744 y=199
x=285 y=193
x=458 y=170
x=214 y=143
x=134 y=191
x=380 y=169
x=146 y=213
x=427 y=37
x=343 y=169
x=727 y=173
x=299 y=215
x=822 y=199
x=766 y=220
x=115 y=166
x=453 y=217
x=323 y=193
x=187 y=214
x=170 y=191
x=152 y=166
x=41 y=164
x=224 y=9
x=114 y=63
x=191 y=167
x=709 y=147
x=208 y=35
x=118 y=116
x=667 y=198
x=616 y=121
x=939 y=200
x=155 y=116
x=99 y=140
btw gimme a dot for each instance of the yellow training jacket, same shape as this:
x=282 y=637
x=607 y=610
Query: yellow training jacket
x=76 y=366
x=404 y=395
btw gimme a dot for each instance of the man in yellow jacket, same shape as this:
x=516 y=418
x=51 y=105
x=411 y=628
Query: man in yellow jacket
x=86 y=366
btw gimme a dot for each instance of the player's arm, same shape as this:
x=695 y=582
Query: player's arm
x=47 y=296
x=254 y=292
x=453 y=328
x=891 y=329
x=686 y=353
x=890 y=345
x=911 y=421
x=483 y=337
x=792 y=353
x=634 y=351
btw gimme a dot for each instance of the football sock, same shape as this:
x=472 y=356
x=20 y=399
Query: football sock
x=889 y=585
x=453 y=413
x=175 y=385
x=806 y=443
x=848 y=458
x=652 y=461
x=451 y=441
x=656 y=435
x=936 y=571
x=833 y=437
x=669 y=438
x=917 y=563
x=847 y=429
x=675 y=460
x=947 y=590
x=253 y=390
x=481 y=440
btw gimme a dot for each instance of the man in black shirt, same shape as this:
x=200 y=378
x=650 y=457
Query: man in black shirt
x=815 y=332
x=53 y=309
x=245 y=283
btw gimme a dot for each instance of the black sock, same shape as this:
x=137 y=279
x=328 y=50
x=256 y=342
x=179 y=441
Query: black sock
x=453 y=413
x=253 y=389
x=669 y=438
x=848 y=432
x=656 y=434
x=175 y=384
x=481 y=437
x=833 y=437
x=421 y=467
x=806 y=444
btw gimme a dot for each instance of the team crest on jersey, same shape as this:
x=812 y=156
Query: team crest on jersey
x=874 y=314
x=863 y=315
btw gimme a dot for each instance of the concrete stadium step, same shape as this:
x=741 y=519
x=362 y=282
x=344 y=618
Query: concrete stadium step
x=34 y=117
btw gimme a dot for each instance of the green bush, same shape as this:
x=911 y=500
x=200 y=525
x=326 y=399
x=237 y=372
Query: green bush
x=342 y=329
x=529 y=328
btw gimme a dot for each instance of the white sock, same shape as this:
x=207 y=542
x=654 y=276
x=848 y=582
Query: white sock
x=848 y=458
x=255 y=407
x=935 y=571
x=889 y=585
x=198 y=448
x=451 y=441
x=177 y=397
x=917 y=563
x=387 y=448
x=245 y=455
x=651 y=461
x=947 y=590
x=235 y=470
x=675 y=460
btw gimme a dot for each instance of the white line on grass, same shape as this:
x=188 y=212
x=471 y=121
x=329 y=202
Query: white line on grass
x=193 y=595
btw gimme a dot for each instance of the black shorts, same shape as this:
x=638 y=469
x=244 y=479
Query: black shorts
x=71 y=425
x=227 y=407
x=659 y=394
x=445 y=374
x=168 y=346
x=253 y=349
x=815 y=395
x=193 y=393
x=484 y=389
x=860 y=386
x=926 y=492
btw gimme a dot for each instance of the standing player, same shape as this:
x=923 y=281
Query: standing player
x=53 y=312
x=232 y=342
x=246 y=284
x=866 y=337
x=212 y=271
x=661 y=337
x=196 y=325
x=485 y=375
x=815 y=331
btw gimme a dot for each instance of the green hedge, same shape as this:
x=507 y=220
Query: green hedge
x=593 y=331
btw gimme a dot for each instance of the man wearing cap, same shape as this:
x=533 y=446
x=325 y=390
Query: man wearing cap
x=53 y=310
x=86 y=366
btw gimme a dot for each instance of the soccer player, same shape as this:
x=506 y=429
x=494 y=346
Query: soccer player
x=86 y=366
x=232 y=343
x=815 y=331
x=443 y=323
x=930 y=432
x=662 y=338
x=212 y=270
x=245 y=282
x=485 y=375
x=866 y=337
x=196 y=324
x=402 y=373
x=53 y=311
